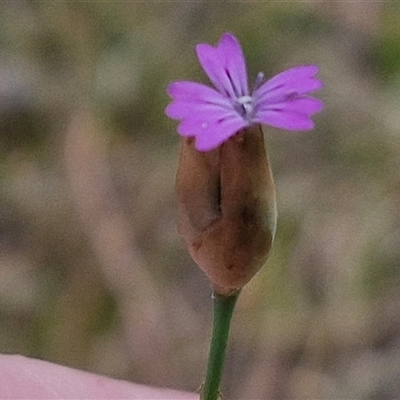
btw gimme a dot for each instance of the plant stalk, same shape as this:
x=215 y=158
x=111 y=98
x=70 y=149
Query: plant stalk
x=223 y=310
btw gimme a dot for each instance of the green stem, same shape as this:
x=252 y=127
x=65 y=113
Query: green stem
x=223 y=310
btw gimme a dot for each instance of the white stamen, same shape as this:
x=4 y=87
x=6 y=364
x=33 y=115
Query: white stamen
x=259 y=80
x=245 y=107
x=244 y=100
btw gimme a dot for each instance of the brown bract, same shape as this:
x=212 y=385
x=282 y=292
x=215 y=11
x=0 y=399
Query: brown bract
x=227 y=208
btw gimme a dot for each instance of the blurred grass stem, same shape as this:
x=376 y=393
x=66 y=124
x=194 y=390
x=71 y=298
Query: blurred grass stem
x=223 y=310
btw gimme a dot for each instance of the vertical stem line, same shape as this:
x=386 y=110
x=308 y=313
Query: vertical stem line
x=223 y=310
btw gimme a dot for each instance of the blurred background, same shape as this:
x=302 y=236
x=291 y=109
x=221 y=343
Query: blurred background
x=93 y=274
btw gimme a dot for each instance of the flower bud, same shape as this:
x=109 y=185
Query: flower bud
x=227 y=207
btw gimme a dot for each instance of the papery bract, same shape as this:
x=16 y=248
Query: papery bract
x=227 y=208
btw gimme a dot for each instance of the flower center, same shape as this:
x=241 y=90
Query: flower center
x=244 y=106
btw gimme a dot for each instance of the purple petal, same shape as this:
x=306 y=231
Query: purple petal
x=225 y=65
x=288 y=120
x=291 y=74
x=191 y=98
x=193 y=91
x=182 y=109
x=199 y=122
x=300 y=105
x=212 y=66
x=234 y=62
x=294 y=81
x=205 y=114
x=218 y=132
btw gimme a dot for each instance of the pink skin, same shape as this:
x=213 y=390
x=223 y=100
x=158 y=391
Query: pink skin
x=27 y=378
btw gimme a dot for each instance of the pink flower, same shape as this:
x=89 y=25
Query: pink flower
x=213 y=116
